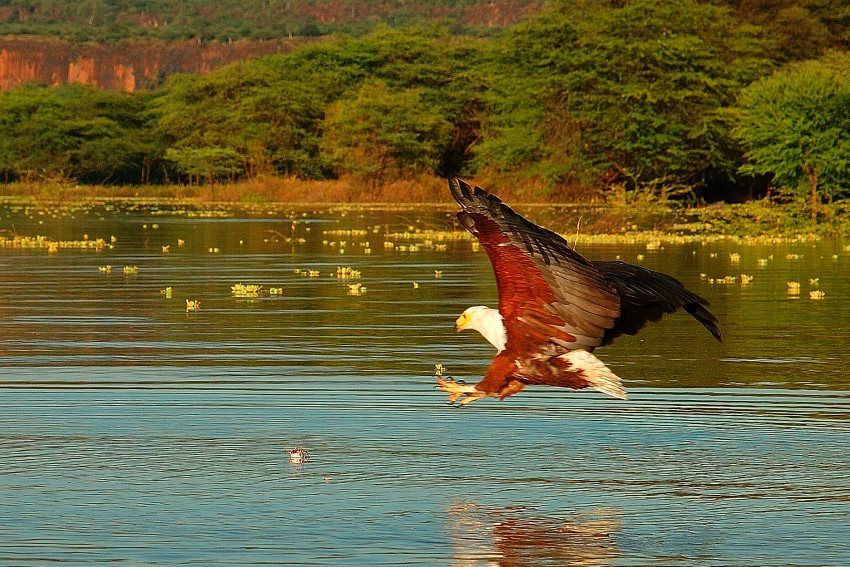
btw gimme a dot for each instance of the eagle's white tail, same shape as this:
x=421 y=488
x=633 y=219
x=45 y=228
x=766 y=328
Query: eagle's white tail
x=596 y=373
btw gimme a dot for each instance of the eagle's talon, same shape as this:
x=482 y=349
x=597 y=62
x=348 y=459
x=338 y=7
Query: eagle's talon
x=460 y=393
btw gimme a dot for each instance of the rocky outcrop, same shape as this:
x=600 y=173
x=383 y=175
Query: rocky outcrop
x=126 y=66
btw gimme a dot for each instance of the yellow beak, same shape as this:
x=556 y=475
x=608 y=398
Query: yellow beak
x=461 y=323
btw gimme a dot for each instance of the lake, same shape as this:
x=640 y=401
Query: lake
x=135 y=431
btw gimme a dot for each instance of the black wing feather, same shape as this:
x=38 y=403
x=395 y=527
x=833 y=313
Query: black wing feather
x=646 y=295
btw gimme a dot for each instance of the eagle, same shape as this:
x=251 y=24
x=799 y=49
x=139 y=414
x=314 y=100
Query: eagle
x=555 y=306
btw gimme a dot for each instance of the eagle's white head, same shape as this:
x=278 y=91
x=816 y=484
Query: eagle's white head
x=486 y=321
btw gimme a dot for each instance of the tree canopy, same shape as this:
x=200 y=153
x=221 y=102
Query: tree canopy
x=583 y=96
x=628 y=95
x=795 y=126
x=73 y=131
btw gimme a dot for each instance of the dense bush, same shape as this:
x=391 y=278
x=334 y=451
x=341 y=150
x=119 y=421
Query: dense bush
x=795 y=126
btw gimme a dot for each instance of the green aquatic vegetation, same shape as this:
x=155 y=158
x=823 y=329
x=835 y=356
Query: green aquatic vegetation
x=243 y=290
x=743 y=279
x=43 y=242
x=307 y=273
x=356 y=289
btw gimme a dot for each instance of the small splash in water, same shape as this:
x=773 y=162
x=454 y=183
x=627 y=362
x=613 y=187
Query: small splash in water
x=298 y=456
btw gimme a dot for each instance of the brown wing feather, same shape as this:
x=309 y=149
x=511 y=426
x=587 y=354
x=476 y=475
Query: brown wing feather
x=548 y=292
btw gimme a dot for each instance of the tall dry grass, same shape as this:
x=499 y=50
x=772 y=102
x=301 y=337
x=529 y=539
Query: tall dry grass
x=259 y=190
x=410 y=191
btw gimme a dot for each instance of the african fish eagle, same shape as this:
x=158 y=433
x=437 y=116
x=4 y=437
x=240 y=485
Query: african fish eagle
x=555 y=306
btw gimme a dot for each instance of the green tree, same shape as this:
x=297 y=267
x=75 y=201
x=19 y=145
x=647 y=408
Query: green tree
x=799 y=29
x=270 y=122
x=595 y=95
x=795 y=126
x=208 y=162
x=73 y=132
x=267 y=111
x=450 y=76
x=382 y=133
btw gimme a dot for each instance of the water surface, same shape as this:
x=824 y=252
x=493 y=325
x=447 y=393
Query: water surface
x=134 y=431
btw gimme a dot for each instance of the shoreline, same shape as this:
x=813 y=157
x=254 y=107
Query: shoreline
x=598 y=221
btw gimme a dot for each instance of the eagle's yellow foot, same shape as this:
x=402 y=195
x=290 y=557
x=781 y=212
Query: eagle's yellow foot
x=458 y=392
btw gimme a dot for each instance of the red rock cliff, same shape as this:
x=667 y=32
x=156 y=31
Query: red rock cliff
x=127 y=66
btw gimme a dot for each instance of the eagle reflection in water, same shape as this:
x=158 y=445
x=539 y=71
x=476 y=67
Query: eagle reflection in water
x=522 y=537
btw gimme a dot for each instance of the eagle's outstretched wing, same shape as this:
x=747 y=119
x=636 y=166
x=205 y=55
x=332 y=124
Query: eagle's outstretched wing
x=548 y=292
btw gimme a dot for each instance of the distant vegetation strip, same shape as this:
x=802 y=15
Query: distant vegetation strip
x=233 y=20
x=651 y=101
